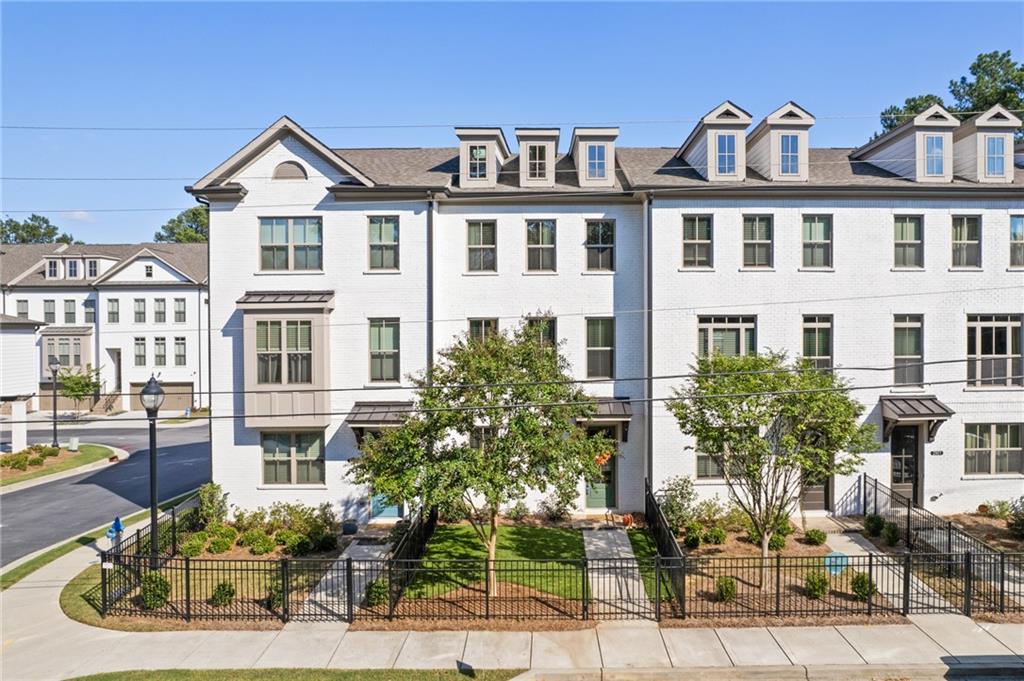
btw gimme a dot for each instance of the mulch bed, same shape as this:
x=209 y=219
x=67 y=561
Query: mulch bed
x=808 y=621
x=990 y=530
x=48 y=462
x=237 y=552
x=736 y=545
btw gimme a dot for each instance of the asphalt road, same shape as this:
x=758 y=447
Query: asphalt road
x=34 y=518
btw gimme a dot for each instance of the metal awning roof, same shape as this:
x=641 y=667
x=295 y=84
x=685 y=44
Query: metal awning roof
x=66 y=331
x=898 y=409
x=378 y=414
x=285 y=297
x=613 y=409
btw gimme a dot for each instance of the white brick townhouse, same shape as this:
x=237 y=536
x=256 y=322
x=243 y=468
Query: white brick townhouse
x=132 y=310
x=337 y=273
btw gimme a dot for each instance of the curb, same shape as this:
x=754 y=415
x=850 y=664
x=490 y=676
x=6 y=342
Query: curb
x=94 y=466
x=863 y=672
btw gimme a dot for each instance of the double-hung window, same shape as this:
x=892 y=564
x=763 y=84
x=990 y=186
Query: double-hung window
x=966 y=241
x=596 y=168
x=540 y=245
x=993 y=448
x=179 y=351
x=140 y=352
x=477 y=161
x=546 y=329
x=908 y=242
x=160 y=352
x=113 y=311
x=384 y=242
x=536 y=161
x=299 y=345
x=481 y=328
x=92 y=268
x=994 y=350
x=707 y=465
x=179 y=310
x=384 y=350
x=160 y=310
x=818 y=340
x=726 y=154
x=482 y=245
x=89 y=308
x=995 y=156
x=291 y=244
x=140 y=310
x=64 y=353
x=817 y=241
x=789 y=154
x=908 y=349
x=23 y=309
x=601 y=246
x=727 y=335
x=50 y=311
x=601 y=347
x=52 y=269
x=1017 y=241
x=268 y=352
x=70 y=312
x=72 y=269
x=698 y=250
x=933 y=155
x=757 y=241
x=293 y=458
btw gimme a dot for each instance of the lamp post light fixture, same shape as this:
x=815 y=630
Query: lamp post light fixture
x=152 y=397
x=54 y=367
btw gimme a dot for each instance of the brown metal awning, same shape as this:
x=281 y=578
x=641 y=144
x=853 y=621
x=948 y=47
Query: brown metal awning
x=256 y=300
x=378 y=414
x=613 y=409
x=897 y=409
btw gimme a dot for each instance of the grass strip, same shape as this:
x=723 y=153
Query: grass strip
x=87 y=454
x=14 y=575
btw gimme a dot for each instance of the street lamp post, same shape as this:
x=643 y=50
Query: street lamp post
x=54 y=370
x=152 y=397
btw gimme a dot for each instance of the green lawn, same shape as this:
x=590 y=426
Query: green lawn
x=515 y=542
x=645 y=549
x=87 y=454
x=196 y=414
x=303 y=675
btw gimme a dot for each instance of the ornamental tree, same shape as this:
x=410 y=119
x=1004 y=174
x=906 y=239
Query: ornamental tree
x=79 y=385
x=494 y=418
x=769 y=425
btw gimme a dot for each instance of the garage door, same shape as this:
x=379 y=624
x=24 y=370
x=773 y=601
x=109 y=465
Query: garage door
x=177 y=396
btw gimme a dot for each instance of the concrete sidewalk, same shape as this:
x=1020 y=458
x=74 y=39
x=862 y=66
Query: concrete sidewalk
x=39 y=642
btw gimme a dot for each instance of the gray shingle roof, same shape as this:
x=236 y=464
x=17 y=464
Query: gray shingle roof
x=7 y=320
x=15 y=259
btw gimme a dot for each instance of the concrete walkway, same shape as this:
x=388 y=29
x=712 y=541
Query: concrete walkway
x=330 y=597
x=39 y=642
x=616 y=587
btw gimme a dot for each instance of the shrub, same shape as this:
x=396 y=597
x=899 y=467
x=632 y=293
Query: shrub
x=999 y=509
x=219 y=545
x=325 y=542
x=192 y=546
x=452 y=511
x=377 y=592
x=249 y=520
x=783 y=529
x=223 y=532
x=677 y=498
x=873 y=524
x=275 y=595
x=249 y=537
x=863 y=586
x=815 y=537
x=283 y=537
x=35 y=460
x=891 y=534
x=777 y=542
x=213 y=504
x=554 y=508
x=816 y=582
x=709 y=512
x=693 y=535
x=715 y=535
x=47 y=452
x=725 y=589
x=223 y=595
x=154 y=591
x=1015 y=520
x=299 y=545
x=262 y=544
x=518 y=512
x=734 y=518
x=307 y=520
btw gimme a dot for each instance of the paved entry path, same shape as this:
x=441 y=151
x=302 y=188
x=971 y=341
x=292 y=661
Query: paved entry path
x=614 y=574
x=329 y=600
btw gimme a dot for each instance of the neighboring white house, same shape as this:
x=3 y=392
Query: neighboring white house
x=337 y=273
x=132 y=310
x=18 y=356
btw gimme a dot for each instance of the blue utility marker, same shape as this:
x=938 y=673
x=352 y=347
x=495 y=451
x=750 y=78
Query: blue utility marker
x=836 y=562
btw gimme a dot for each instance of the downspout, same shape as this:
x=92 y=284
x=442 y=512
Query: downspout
x=209 y=333
x=648 y=232
x=430 y=282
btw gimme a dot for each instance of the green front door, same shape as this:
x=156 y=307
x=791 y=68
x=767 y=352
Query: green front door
x=601 y=493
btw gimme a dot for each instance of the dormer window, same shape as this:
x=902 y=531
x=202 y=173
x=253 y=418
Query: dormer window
x=477 y=161
x=933 y=155
x=789 y=154
x=995 y=155
x=92 y=268
x=72 y=269
x=537 y=161
x=727 y=154
x=51 y=269
x=596 y=168
x=149 y=271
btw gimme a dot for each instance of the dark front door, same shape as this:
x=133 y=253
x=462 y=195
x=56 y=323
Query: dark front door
x=817 y=494
x=904 y=442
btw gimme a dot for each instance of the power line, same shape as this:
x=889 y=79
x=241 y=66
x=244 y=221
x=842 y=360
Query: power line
x=530 y=405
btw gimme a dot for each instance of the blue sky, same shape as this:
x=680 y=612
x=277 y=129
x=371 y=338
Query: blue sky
x=243 y=65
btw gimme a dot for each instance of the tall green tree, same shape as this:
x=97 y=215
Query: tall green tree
x=495 y=418
x=79 y=385
x=35 y=229
x=770 y=424
x=191 y=225
x=995 y=78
